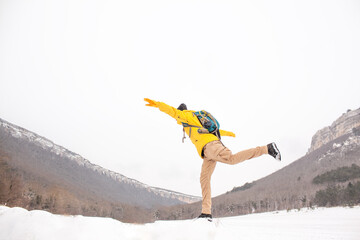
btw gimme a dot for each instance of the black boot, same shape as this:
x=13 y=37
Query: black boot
x=274 y=151
x=207 y=216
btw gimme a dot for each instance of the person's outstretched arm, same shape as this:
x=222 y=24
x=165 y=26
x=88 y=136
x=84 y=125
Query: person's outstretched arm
x=182 y=116
x=227 y=133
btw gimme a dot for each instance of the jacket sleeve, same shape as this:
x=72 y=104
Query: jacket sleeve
x=182 y=116
x=227 y=133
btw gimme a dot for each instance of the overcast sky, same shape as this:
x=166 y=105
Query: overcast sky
x=76 y=72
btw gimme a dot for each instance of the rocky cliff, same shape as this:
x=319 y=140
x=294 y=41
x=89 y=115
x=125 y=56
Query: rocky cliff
x=343 y=125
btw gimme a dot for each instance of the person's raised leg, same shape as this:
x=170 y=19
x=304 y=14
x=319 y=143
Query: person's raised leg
x=218 y=152
x=247 y=154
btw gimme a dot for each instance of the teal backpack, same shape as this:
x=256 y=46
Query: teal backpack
x=209 y=124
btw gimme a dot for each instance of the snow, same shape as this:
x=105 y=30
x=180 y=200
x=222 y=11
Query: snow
x=323 y=223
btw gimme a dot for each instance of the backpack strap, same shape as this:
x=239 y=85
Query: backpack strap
x=190 y=126
x=184 y=136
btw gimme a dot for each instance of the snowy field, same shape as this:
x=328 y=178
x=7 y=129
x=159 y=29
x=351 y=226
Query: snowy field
x=324 y=223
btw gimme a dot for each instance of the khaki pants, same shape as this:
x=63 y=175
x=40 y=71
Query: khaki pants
x=216 y=152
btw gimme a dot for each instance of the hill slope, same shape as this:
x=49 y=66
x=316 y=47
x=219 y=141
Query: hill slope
x=291 y=187
x=36 y=173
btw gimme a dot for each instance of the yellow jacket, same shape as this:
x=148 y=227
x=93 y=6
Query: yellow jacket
x=187 y=116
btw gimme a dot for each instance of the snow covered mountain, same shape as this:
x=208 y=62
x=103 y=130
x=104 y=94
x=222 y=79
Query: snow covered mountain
x=43 y=166
x=39 y=174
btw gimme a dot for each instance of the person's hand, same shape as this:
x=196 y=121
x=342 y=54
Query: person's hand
x=151 y=103
x=232 y=134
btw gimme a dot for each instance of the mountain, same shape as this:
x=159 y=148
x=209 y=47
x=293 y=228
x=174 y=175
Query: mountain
x=334 y=158
x=343 y=125
x=39 y=174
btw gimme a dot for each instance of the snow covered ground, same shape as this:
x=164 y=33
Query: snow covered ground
x=324 y=223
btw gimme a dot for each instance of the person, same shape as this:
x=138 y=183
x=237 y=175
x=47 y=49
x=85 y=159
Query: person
x=210 y=148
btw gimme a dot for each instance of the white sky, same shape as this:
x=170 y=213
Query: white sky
x=76 y=72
